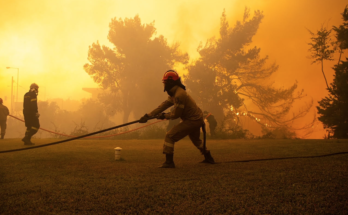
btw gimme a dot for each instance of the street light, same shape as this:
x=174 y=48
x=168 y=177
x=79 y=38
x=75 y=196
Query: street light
x=17 y=78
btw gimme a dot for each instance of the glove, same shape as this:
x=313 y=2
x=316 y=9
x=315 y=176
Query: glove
x=161 y=116
x=37 y=115
x=144 y=118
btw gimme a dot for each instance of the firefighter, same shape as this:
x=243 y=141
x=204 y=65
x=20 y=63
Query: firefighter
x=3 y=118
x=212 y=123
x=31 y=114
x=185 y=108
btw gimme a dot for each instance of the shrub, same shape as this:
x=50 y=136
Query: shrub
x=277 y=133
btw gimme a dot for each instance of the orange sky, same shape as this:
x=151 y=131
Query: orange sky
x=48 y=40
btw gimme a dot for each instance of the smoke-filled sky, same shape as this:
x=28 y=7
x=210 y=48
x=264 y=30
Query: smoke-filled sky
x=48 y=40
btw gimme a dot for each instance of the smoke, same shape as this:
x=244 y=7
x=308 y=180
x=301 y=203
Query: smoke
x=48 y=40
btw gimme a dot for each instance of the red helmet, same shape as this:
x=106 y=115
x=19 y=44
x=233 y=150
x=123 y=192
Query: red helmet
x=170 y=75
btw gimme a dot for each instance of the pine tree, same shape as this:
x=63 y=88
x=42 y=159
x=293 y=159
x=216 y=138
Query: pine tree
x=230 y=74
x=333 y=109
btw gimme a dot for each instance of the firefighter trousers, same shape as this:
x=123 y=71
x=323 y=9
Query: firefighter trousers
x=3 y=127
x=212 y=129
x=181 y=130
x=32 y=123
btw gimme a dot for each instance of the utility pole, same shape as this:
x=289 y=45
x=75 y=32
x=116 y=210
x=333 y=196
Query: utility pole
x=12 y=96
x=17 y=83
x=17 y=79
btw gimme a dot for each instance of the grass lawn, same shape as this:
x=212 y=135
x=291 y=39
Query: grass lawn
x=82 y=177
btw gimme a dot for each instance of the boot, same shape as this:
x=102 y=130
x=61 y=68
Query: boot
x=27 y=141
x=2 y=136
x=169 y=163
x=208 y=158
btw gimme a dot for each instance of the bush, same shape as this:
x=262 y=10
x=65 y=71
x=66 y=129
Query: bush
x=236 y=132
x=277 y=133
x=229 y=129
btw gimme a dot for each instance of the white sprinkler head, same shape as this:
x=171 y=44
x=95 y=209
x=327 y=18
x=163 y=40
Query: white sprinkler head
x=118 y=153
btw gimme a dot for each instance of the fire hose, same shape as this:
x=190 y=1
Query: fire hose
x=75 y=138
x=133 y=122
x=93 y=133
x=112 y=135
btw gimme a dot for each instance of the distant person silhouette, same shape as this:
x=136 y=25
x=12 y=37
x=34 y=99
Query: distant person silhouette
x=3 y=118
x=212 y=122
x=31 y=113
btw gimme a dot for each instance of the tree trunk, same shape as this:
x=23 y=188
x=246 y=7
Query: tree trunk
x=339 y=59
x=126 y=109
x=322 y=69
x=126 y=112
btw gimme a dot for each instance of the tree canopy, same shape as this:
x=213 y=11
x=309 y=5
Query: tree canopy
x=131 y=71
x=342 y=33
x=321 y=48
x=333 y=109
x=230 y=73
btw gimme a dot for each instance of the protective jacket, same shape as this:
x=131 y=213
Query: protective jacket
x=30 y=103
x=211 y=120
x=3 y=112
x=184 y=106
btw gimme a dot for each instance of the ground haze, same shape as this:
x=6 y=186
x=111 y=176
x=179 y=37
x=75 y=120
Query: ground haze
x=83 y=177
